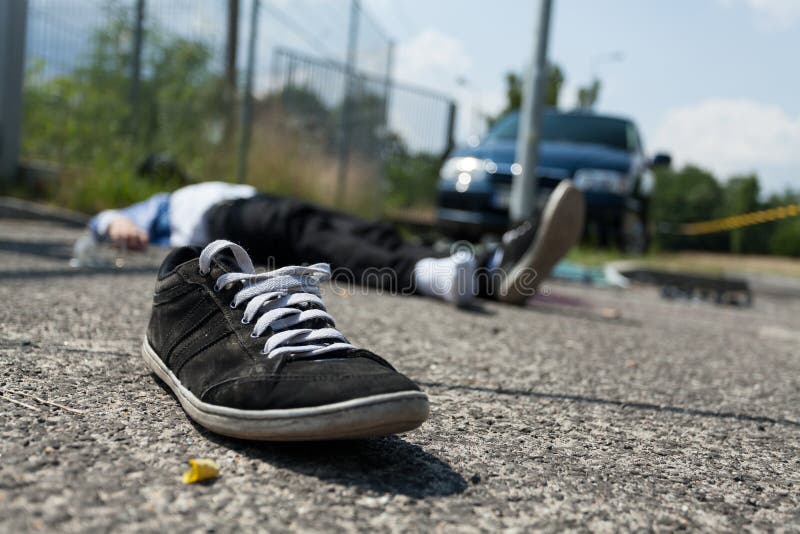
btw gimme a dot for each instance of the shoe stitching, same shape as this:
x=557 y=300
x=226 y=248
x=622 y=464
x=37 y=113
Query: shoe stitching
x=278 y=378
x=179 y=363
x=168 y=295
x=183 y=333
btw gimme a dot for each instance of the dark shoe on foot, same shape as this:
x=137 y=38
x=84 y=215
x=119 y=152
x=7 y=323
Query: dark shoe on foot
x=256 y=356
x=530 y=251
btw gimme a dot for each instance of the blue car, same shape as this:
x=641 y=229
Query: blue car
x=603 y=155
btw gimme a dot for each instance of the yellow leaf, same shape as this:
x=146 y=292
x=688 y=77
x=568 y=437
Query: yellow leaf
x=200 y=469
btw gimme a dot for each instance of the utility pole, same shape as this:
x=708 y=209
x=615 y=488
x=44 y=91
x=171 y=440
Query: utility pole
x=13 y=19
x=523 y=188
x=345 y=120
x=231 y=52
x=246 y=119
x=136 y=63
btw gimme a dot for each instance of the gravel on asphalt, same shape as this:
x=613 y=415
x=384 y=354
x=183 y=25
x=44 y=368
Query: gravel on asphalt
x=555 y=416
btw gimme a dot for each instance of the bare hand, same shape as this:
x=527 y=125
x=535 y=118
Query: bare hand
x=124 y=234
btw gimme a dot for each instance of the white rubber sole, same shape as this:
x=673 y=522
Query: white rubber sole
x=367 y=417
x=560 y=228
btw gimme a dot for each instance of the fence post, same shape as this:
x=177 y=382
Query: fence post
x=13 y=18
x=451 y=128
x=384 y=132
x=247 y=98
x=231 y=46
x=136 y=63
x=387 y=82
x=345 y=120
x=229 y=91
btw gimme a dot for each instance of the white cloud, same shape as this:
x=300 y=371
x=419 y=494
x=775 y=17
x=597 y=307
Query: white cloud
x=491 y=102
x=432 y=58
x=732 y=136
x=781 y=14
x=436 y=60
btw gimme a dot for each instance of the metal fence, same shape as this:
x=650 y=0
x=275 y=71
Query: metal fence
x=110 y=81
x=373 y=137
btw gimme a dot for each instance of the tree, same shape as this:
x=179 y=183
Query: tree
x=302 y=109
x=514 y=82
x=694 y=195
x=740 y=195
x=785 y=240
x=553 y=84
x=588 y=95
x=513 y=92
x=688 y=195
x=84 y=119
x=784 y=235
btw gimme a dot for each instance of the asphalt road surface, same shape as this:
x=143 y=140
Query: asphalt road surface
x=555 y=416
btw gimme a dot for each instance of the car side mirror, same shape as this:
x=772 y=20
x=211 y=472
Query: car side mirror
x=661 y=160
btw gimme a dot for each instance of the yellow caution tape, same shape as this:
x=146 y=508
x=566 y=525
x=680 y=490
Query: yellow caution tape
x=738 y=221
x=200 y=469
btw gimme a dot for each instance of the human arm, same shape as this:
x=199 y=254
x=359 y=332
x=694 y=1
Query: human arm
x=128 y=227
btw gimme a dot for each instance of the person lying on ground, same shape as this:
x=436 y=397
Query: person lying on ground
x=278 y=231
x=255 y=354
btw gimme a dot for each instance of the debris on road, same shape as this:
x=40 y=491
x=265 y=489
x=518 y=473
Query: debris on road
x=200 y=469
x=566 y=302
x=5 y=393
x=610 y=313
x=4 y=396
x=725 y=290
x=576 y=435
x=594 y=276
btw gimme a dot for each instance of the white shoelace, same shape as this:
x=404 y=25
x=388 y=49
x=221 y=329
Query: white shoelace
x=271 y=295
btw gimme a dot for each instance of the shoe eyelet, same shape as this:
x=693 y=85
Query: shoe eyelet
x=253 y=335
x=232 y=305
x=244 y=322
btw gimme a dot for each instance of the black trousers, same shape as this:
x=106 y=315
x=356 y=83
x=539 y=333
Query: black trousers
x=278 y=231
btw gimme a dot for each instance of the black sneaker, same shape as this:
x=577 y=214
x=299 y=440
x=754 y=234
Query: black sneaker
x=530 y=251
x=256 y=356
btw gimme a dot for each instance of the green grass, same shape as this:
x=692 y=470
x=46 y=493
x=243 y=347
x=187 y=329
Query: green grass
x=596 y=257
x=705 y=263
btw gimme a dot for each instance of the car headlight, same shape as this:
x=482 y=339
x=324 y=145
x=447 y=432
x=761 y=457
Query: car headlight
x=465 y=170
x=601 y=180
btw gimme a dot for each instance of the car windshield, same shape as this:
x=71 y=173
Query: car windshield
x=587 y=129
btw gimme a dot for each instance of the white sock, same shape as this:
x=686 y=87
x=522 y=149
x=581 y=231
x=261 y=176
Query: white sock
x=451 y=279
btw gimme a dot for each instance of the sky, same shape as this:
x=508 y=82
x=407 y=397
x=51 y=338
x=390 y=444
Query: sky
x=713 y=82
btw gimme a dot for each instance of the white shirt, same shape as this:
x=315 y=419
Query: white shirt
x=188 y=206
